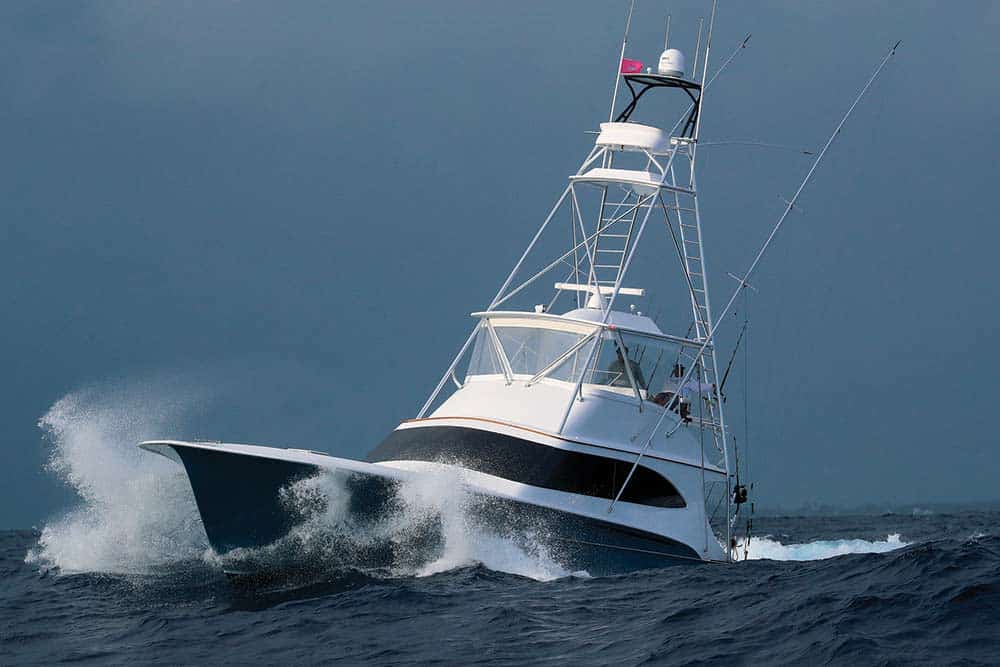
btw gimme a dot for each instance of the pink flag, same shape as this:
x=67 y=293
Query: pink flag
x=631 y=66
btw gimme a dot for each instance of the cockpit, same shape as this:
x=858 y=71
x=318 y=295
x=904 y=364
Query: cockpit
x=538 y=347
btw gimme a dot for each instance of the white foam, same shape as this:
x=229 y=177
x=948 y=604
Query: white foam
x=465 y=544
x=771 y=549
x=136 y=510
x=433 y=498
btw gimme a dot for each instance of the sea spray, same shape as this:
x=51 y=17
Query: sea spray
x=465 y=540
x=136 y=510
x=429 y=525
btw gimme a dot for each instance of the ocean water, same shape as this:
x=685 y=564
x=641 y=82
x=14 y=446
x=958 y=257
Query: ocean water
x=127 y=576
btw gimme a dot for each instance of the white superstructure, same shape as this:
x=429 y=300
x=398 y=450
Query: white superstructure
x=595 y=377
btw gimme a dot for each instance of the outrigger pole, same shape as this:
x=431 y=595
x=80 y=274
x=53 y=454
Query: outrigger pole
x=723 y=66
x=618 y=68
x=802 y=186
x=753 y=265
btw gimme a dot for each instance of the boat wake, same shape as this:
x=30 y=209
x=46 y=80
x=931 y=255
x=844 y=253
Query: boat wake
x=137 y=514
x=767 y=548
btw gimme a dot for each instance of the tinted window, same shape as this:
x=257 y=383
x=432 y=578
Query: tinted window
x=529 y=463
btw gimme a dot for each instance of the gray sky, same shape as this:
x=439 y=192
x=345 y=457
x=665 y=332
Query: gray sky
x=282 y=213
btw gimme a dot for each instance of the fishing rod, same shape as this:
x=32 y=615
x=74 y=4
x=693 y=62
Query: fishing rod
x=729 y=366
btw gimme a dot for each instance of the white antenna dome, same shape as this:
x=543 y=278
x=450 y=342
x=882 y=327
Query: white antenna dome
x=671 y=63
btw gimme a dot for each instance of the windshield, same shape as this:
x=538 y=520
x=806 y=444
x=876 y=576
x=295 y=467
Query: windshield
x=530 y=350
x=649 y=361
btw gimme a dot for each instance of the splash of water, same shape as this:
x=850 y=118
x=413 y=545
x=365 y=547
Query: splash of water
x=431 y=528
x=465 y=542
x=136 y=511
x=770 y=549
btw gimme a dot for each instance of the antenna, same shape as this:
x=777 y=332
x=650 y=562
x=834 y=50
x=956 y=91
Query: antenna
x=618 y=65
x=666 y=38
x=704 y=75
x=697 y=48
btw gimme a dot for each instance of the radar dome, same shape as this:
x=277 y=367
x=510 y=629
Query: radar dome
x=671 y=63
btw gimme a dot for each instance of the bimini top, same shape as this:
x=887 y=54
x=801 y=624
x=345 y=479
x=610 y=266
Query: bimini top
x=628 y=321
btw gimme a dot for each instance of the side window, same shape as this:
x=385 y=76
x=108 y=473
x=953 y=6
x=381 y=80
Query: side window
x=647 y=487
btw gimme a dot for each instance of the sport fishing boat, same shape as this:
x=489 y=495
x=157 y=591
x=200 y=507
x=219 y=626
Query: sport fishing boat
x=569 y=417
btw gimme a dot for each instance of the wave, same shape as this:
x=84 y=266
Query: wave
x=766 y=548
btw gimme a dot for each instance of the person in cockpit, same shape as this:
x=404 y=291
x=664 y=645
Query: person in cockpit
x=617 y=375
x=684 y=394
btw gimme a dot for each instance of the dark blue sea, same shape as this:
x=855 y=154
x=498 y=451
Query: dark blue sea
x=934 y=598
x=126 y=576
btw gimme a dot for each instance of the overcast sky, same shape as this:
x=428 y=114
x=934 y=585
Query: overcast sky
x=278 y=216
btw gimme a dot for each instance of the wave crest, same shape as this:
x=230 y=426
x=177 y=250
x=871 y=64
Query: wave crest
x=766 y=548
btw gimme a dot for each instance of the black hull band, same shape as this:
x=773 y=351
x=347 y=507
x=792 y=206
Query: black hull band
x=528 y=462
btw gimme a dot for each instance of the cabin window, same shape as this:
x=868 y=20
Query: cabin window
x=529 y=350
x=654 y=364
x=484 y=360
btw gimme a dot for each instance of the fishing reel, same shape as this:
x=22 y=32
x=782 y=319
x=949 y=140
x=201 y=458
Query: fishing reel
x=739 y=494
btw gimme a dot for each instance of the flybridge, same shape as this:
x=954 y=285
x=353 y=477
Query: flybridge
x=633 y=174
